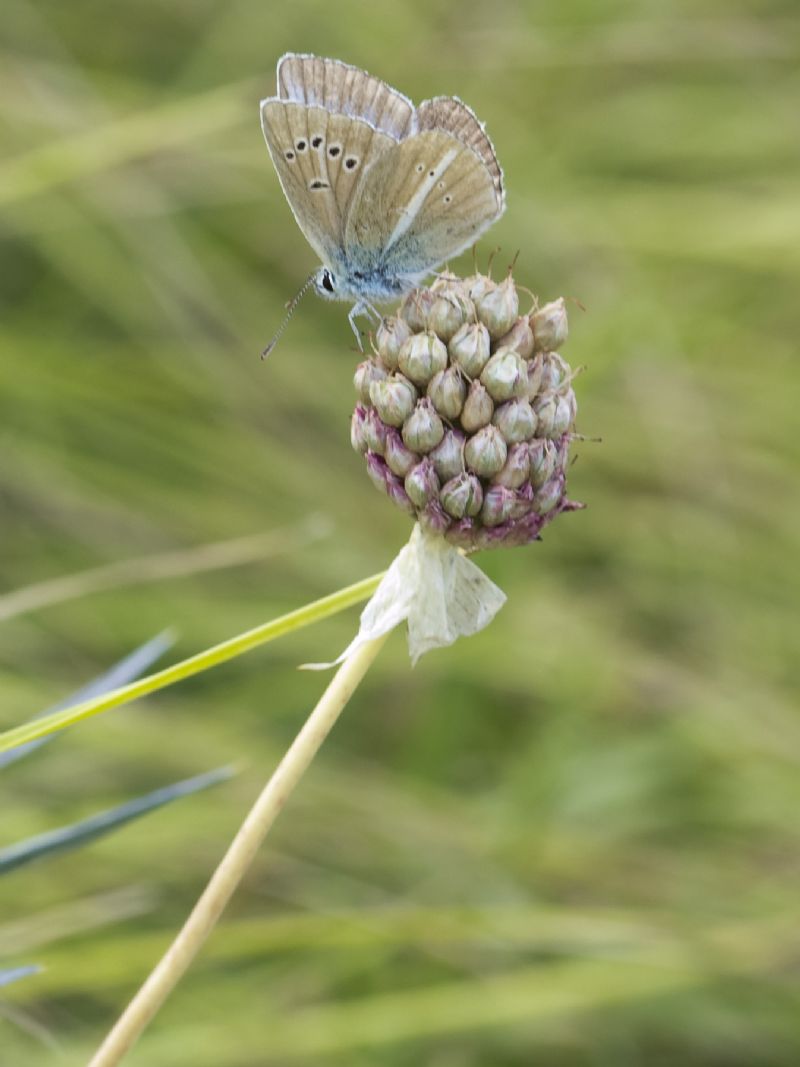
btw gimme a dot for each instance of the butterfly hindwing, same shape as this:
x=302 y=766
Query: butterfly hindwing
x=423 y=201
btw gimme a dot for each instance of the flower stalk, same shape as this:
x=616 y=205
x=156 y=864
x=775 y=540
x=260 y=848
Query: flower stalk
x=236 y=861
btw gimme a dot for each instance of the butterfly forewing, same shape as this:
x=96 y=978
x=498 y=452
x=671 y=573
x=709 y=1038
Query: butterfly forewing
x=319 y=158
x=346 y=90
x=423 y=201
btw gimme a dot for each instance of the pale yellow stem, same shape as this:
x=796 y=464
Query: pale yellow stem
x=237 y=859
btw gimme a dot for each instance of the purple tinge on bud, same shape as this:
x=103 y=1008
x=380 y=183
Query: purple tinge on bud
x=448 y=390
x=515 y=420
x=374 y=431
x=464 y=533
x=535 y=372
x=423 y=429
x=470 y=348
x=462 y=496
x=422 y=484
x=498 y=308
x=422 y=356
x=399 y=459
x=498 y=503
x=434 y=518
x=382 y=478
x=367 y=372
x=486 y=452
x=394 y=398
x=392 y=333
x=517 y=468
x=543 y=460
x=523 y=501
x=519 y=337
x=478 y=408
x=505 y=375
x=358 y=437
x=549 y=326
x=550 y=494
x=448 y=456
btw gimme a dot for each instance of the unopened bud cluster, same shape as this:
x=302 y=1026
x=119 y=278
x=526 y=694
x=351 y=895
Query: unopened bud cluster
x=466 y=412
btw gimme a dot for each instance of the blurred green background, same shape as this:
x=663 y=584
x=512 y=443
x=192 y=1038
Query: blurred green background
x=571 y=840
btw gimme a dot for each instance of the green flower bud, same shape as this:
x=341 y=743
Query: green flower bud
x=564 y=415
x=549 y=325
x=478 y=408
x=556 y=373
x=549 y=495
x=374 y=431
x=505 y=375
x=516 y=469
x=367 y=372
x=519 y=337
x=392 y=333
x=470 y=347
x=497 y=505
x=543 y=458
x=515 y=420
x=486 y=452
x=477 y=286
x=448 y=391
x=422 y=356
x=423 y=429
x=416 y=308
x=462 y=496
x=358 y=437
x=545 y=408
x=398 y=458
x=449 y=311
x=421 y=484
x=448 y=456
x=394 y=398
x=498 y=308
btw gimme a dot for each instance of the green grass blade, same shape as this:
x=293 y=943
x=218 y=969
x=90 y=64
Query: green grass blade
x=122 y=672
x=211 y=657
x=81 y=833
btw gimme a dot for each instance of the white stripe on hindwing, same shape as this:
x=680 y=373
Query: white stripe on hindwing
x=409 y=213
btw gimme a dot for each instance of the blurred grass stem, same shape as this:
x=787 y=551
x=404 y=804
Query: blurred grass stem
x=238 y=858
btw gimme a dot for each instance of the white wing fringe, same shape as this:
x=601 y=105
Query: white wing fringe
x=441 y=594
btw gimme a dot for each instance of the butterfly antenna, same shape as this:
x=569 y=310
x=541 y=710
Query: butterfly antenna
x=290 y=311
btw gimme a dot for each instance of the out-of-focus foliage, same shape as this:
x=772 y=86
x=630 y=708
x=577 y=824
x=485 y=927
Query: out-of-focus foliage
x=571 y=840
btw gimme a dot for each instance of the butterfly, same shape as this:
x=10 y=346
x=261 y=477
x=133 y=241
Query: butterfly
x=383 y=192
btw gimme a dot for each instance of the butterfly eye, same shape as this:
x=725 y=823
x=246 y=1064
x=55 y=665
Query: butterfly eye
x=301 y=146
x=351 y=162
x=327 y=281
x=316 y=142
x=334 y=150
